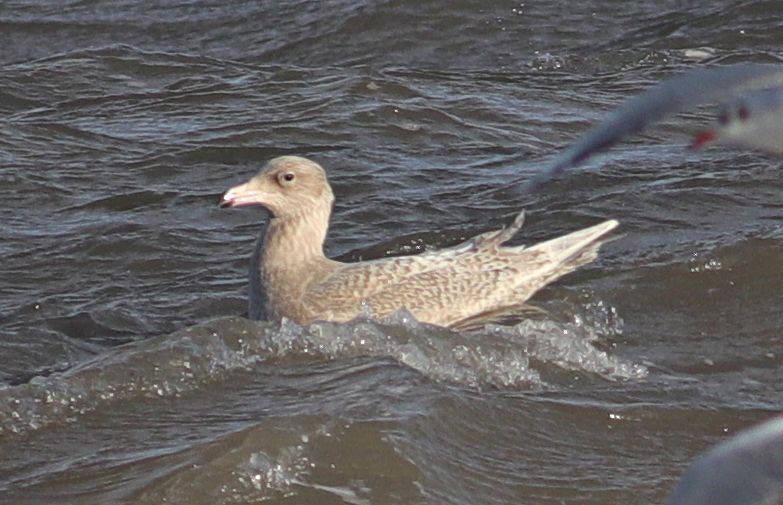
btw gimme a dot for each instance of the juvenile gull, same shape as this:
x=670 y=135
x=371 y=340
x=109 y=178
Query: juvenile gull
x=465 y=284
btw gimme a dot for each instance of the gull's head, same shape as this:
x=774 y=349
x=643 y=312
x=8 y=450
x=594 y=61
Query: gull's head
x=751 y=121
x=287 y=186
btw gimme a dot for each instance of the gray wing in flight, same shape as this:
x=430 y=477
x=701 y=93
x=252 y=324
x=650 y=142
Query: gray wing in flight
x=673 y=95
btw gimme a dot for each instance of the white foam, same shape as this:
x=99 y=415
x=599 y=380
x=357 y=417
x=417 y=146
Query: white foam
x=495 y=357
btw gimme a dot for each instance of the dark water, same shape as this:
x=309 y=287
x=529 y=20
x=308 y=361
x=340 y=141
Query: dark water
x=127 y=374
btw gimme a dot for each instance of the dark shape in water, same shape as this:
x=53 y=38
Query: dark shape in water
x=745 y=470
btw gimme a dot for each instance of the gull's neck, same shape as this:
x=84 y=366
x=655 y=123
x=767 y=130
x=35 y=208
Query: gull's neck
x=288 y=259
x=297 y=240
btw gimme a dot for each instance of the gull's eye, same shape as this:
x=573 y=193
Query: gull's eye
x=743 y=113
x=287 y=177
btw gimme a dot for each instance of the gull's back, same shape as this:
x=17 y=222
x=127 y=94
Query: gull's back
x=467 y=283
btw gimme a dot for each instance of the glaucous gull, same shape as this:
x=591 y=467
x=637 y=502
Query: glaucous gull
x=453 y=287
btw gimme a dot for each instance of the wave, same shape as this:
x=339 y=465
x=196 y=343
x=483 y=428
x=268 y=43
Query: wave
x=497 y=356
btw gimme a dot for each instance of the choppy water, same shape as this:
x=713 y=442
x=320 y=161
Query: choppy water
x=127 y=374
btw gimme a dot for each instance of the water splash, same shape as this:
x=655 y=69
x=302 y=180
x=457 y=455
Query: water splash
x=302 y=459
x=495 y=357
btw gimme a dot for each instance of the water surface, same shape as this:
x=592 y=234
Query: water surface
x=127 y=373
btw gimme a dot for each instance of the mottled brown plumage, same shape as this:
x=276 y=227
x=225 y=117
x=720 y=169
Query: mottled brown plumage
x=461 y=285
